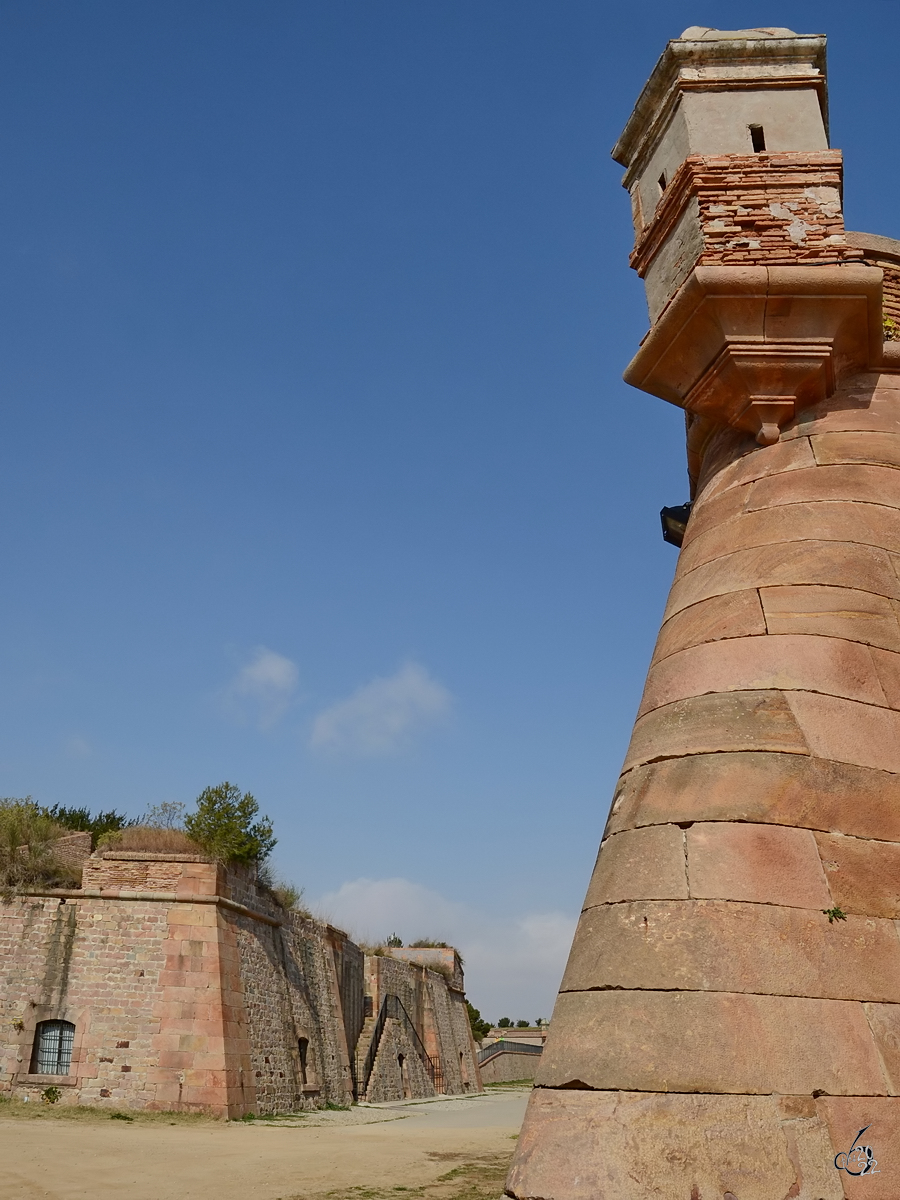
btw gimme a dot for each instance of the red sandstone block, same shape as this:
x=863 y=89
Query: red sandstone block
x=631 y=1146
x=709 y=1042
x=712 y=511
x=884 y=1021
x=828 y=665
x=863 y=410
x=176 y=1060
x=196 y=916
x=167 y=1040
x=737 y=614
x=845 y=1117
x=756 y=462
x=887 y=667
x=847 y=731
x=833 y=612
x=172 y=979
x=862 y=875
x=712 y=724
x=766 y=864
x=643 y=863
x=862 y=447
x=202 y=979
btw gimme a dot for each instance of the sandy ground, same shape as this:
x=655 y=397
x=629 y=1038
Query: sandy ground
x=398 y=1146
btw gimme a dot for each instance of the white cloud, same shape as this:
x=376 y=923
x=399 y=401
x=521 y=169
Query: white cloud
x=262 y=690
x=513 y=966
x=381 y=716
x=77 y=747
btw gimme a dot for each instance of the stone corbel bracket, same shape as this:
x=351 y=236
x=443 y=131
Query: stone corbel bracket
x=750 y=347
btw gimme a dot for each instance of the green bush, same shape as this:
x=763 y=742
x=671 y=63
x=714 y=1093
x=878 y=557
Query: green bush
x=26 y=848
x=51 y=1095
x=80 y=820
x=225 y=825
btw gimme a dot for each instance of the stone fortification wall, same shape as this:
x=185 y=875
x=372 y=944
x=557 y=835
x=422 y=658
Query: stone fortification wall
x=72 y=849
x=99 y=965
x=292 y=993
x=189 y=987
x=438 y=1013
x=142 y=871
x=510 y=1067
x=400 y=1072
x=882 y=252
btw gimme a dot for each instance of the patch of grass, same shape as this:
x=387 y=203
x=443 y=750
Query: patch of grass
x=14 y=1109
x=510 y=1083
x=480 y=1178
x=150 y=839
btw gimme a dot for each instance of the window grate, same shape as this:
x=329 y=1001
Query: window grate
x=53 y=1041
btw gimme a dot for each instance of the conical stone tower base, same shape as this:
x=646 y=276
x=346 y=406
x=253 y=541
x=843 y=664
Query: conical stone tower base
x=729 y=1019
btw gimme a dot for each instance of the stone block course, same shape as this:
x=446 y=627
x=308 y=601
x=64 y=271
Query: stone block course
x=744 y=462
x=865 y=483
x=783 y=789
x=760 y=720
x=717 y=946
x=785 y=662
x=832 y=520
x=821 y=563
x=710 y=1042
x=632 y=1146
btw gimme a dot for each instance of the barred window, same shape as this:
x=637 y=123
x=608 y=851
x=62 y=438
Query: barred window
x=52 y=1054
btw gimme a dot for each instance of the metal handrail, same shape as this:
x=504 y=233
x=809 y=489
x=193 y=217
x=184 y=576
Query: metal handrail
x=502 y=1046
x=392 y=1006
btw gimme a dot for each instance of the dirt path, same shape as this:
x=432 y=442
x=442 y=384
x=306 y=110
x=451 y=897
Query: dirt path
x=400 y=1147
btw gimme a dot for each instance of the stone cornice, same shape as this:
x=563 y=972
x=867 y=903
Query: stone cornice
x=155 y=898
x=750 y=347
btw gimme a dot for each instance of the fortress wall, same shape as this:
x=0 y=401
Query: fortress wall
x=98 y=964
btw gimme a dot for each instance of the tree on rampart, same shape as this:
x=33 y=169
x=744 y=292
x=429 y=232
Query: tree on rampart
x=225 y=825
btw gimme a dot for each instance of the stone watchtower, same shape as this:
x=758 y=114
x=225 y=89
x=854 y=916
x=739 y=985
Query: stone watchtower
x=729 y=1018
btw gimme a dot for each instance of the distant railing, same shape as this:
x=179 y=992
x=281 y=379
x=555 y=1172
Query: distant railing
x=506 y=1047
x=392 y=1006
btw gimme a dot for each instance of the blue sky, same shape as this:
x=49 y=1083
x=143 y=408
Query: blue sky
x=317 y=472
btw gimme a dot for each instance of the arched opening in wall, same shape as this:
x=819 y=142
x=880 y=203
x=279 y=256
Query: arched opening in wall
x=303 y=1051
x=52 y=1050
x=404 y=1077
